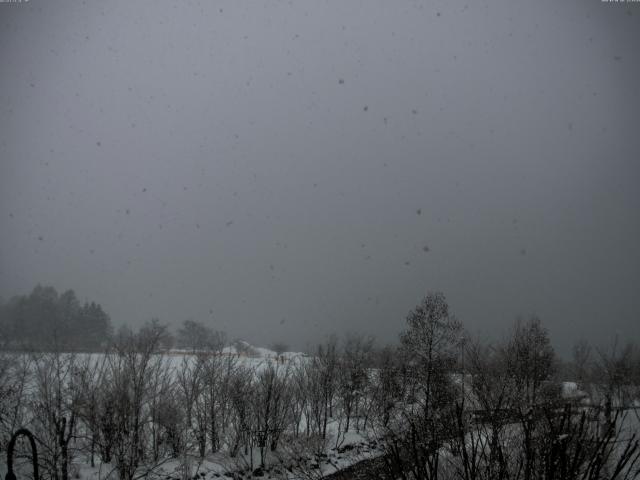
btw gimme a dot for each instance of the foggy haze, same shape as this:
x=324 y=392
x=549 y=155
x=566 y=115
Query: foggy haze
x=283 y=171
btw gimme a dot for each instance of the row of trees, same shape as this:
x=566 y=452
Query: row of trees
x=44 y=318
x=440 y=404
x=47 y=320
x=506 y=414
x=132 y=409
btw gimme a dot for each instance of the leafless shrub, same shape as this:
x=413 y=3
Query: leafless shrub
x=131 y=366
x=55 y=405
x=14 y=376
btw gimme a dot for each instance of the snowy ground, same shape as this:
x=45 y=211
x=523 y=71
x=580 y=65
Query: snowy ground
x=293 y=459
x=291 y=462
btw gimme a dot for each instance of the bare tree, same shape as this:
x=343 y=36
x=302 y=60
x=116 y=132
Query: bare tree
x=300 y=398
x=189 y=388
x=56 y=404
x=531 y=360
x=353 y=375
x=240 y=415
x=271 y=407
x=130 y=368
x=386 y=385
x=219 y=374
x=90 y=375
x=417 y=429
x=196 y=336
x=581 y=359
x=613 y=377
x=484 y=417
x=322 y=373
x=15 y=372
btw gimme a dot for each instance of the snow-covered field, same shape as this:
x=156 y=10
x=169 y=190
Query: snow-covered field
x=294 y=457
x=297 y=456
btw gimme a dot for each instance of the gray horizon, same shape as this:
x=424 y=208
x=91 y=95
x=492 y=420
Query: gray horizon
x=283 y=171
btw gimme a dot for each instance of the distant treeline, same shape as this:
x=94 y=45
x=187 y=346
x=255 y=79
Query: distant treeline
x=44 y=319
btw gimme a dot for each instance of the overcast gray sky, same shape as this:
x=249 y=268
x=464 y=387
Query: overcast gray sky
x=285 y=170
